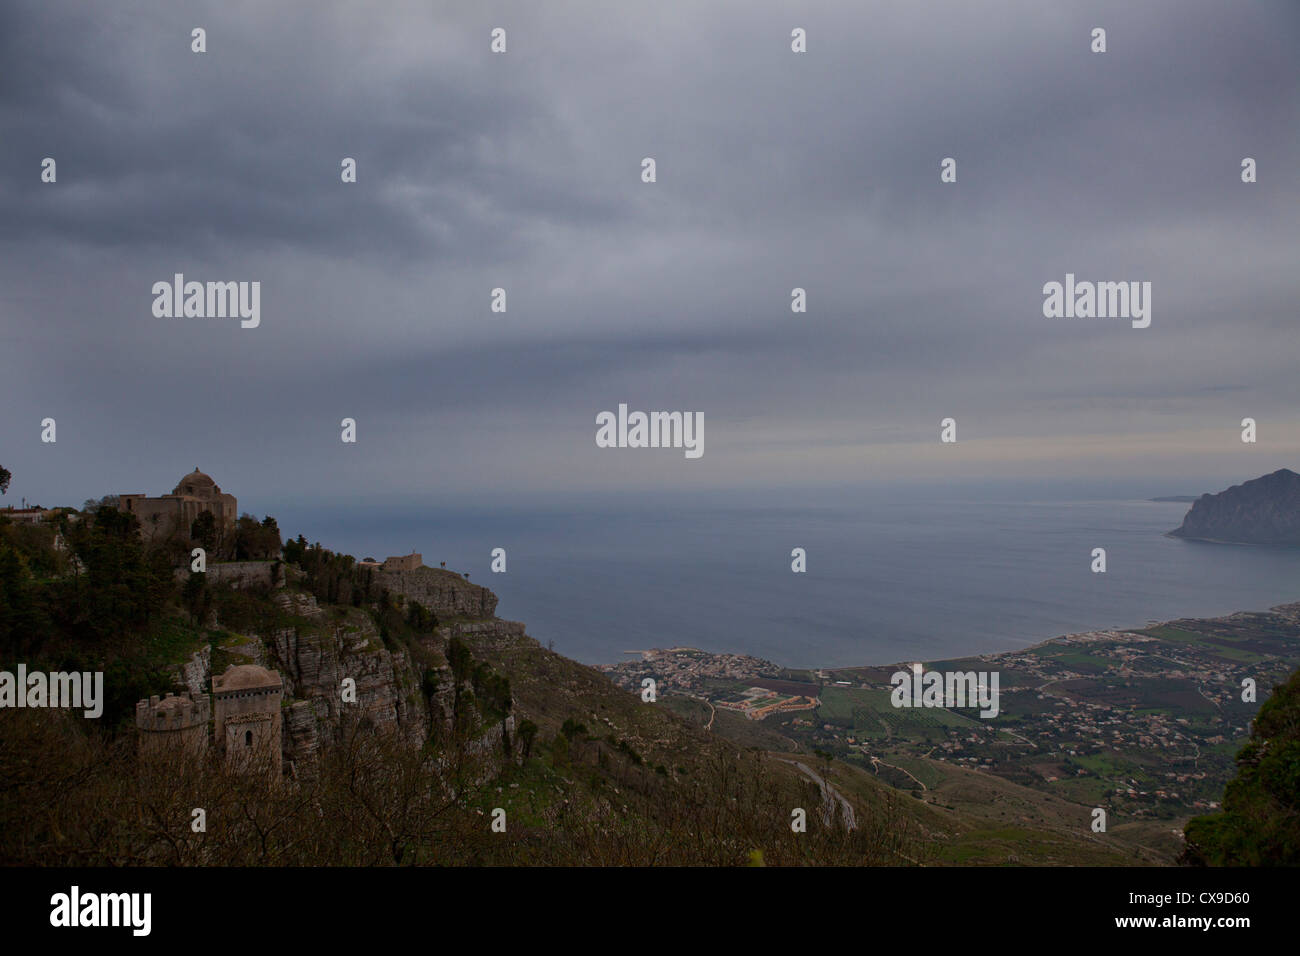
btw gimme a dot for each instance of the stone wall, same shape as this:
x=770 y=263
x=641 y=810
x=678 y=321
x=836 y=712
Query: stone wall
x=175 y=514
x=253 y=743
x=238 y=574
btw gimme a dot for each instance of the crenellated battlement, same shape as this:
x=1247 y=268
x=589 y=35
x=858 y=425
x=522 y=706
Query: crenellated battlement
x=172 y=713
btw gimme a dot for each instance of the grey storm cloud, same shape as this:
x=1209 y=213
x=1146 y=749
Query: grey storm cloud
x=522 y=171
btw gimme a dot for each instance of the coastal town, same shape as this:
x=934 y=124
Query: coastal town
x=749 y=686
x=1148 y=719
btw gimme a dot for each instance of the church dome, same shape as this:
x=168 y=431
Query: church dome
x=196 y=483
x=244 y=677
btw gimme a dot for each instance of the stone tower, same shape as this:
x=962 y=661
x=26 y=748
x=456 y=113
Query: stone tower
x=246 y=702
x=173 y=725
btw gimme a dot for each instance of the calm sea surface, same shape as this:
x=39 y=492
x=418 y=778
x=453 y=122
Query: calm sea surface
x=888 y=580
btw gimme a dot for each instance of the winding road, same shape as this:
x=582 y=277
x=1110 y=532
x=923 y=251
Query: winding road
x=829 y=793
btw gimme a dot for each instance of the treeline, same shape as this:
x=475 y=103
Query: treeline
x=332 y=578
x=246 y=540
x=103 y=584
x=90 y=605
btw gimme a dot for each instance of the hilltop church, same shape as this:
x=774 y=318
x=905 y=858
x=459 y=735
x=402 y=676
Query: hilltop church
x=193 y=495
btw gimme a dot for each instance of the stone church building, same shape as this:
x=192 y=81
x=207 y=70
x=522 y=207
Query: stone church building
x=193 y=495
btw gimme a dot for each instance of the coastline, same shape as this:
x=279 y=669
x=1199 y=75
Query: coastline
x=1091 y=636
x=1240 y=544
x=1108 y=633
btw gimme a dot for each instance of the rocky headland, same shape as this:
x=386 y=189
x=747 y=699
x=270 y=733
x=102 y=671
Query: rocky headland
x=1262 y=511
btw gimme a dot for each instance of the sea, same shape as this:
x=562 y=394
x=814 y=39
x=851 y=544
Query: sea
x=891 y=575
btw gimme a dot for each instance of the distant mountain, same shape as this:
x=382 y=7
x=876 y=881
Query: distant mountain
x=1188 y=498
x=1263 y=511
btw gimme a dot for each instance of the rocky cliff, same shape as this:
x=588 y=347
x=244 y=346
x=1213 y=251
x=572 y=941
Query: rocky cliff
x=406 y=689
x=1263 y=511
x=445 y=593
x=315 y=656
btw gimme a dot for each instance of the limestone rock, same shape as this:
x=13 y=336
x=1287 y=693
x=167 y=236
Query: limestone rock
x=313 y=661
x=445 y=593
x=194 y=673
x=1263 y=511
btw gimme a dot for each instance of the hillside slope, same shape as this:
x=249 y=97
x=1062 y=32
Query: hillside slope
x=460 y=721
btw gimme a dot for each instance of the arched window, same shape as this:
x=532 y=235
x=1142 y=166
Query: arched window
x=248 y=738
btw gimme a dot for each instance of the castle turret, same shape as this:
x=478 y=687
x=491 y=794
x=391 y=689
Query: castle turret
x=248 y=719
x=173 y=725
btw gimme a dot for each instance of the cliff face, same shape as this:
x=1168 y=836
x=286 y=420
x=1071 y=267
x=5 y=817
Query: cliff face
x=445 y=593
x=313 y=660
x=1263 y=511
x=325 y=645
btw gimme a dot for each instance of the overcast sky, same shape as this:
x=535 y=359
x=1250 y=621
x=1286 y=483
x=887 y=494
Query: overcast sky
x=522 y=170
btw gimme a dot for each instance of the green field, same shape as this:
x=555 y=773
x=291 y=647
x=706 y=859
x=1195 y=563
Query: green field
x=870 y=713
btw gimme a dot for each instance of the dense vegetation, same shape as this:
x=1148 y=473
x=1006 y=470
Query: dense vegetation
x=1260 y=821
x=332 y=578
x=96 y=603
x=379 y=801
